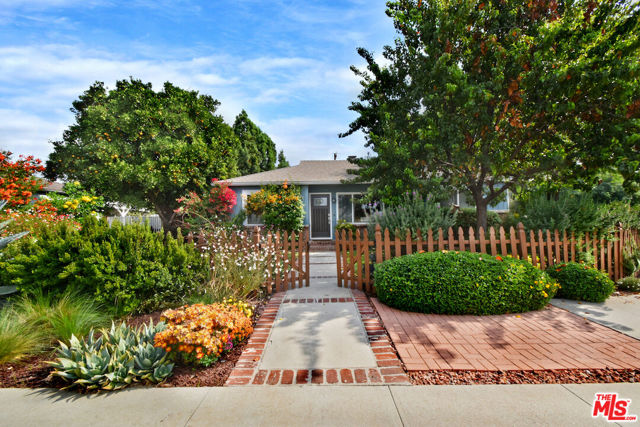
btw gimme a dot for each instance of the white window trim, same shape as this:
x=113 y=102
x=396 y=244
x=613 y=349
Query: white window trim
x=330 y=217
x=489 y=207
x=245 y=194
x=353 y=208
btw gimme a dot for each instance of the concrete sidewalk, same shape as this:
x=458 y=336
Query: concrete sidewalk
x=617 y=312
x=495 y=405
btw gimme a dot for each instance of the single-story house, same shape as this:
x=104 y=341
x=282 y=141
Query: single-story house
x=326 y=196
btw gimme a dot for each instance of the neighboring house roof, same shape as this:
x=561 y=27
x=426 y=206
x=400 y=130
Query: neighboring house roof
x=52 y=187
x=308 y=172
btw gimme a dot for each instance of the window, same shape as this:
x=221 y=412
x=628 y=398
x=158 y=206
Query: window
x=352 y=209
x=252 y=219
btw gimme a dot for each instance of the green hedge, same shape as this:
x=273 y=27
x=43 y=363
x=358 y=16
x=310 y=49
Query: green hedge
x=581 y=282
x=128 y=268
x=462 y=283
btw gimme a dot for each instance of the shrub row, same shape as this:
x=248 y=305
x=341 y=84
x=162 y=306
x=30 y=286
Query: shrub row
x=129 y=268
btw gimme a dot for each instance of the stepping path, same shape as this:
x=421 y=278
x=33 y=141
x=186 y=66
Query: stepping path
x=321 y=334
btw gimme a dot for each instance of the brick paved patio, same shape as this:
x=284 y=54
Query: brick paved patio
x=548 y=339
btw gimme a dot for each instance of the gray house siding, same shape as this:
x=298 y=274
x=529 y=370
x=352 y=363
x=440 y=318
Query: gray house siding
x=305 y=191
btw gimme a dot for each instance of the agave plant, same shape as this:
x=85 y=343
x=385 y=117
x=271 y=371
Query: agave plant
x=117 y=358
x=4 y=241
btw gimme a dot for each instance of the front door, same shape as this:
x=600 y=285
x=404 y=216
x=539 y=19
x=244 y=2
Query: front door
x=320 y=216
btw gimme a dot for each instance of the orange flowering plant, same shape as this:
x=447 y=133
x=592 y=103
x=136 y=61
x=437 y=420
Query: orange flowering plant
x=200 y=334
x=280 y=206
x=18 y=184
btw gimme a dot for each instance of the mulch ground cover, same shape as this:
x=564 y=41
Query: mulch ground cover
x=562 y=376
x=33 y=372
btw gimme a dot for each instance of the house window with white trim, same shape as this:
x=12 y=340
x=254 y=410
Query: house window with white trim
x=252 y=219
x=352 y=209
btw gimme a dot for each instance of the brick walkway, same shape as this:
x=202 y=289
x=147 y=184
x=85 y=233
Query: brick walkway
x=389 y=370
x=548 y=339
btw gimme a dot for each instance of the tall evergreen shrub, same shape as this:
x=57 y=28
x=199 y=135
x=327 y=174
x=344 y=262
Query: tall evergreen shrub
x=126 y=267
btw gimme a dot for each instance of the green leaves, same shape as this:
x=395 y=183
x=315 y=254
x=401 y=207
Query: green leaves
x=119 y=357
x=581 y=282
x=127 y=268
x=510 y=93
x=145 y=148
x=462 y=283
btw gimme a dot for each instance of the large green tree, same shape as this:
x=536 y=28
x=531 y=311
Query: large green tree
x=146 y=148
x=257 y=152
x=490 y=95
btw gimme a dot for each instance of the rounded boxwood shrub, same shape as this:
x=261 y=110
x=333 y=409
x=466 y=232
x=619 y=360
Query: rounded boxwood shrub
x=462 y=283
x=581 y=282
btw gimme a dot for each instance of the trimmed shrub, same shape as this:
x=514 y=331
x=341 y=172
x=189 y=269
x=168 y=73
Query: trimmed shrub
x=126 y=267
x=462 y=283
x=630 y=284
x=581 y=282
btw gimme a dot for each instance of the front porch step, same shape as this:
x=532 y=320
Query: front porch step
x=322 y=245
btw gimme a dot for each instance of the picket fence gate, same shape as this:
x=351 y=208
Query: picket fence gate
x=356 y=253
x=288 y=255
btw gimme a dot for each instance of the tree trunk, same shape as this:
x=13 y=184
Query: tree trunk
x=481 y=212
x=167 y=218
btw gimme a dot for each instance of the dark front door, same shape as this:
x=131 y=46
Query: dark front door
x=320 y=216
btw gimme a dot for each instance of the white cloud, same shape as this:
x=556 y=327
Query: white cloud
x=313 y=138
x=39 y=83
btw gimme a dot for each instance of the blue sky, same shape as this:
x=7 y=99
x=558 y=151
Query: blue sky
x=285 y=62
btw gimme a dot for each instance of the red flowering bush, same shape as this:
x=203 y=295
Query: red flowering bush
x=40 y=214
x=200 y=334
x=211 y=208
x=17 y=181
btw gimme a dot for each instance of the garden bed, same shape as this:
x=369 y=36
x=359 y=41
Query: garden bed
x=560 y=376
x=33 y=372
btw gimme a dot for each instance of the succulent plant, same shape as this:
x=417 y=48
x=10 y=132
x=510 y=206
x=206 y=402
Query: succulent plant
x=117 y=358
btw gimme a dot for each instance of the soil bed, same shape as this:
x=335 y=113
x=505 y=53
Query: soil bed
x=560 y=376
x=33 y=372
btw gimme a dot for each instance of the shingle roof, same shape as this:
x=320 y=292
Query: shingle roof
x=306 y=173
x=51 y=186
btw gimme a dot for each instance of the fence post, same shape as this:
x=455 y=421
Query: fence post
x=339 y=259
x=378 y=237
x=307 y=274
x=523 y=243
x=367 y=261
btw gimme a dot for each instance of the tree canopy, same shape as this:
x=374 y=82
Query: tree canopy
x=256 y=152
x=486 y=96
x=146 y=148
x=282 y=160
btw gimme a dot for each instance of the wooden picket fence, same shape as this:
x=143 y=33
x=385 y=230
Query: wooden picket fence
x=356 y=253
x=288 y=255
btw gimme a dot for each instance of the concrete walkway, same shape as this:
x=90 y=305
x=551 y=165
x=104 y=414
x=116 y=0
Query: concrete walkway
x=496 y=405
x=621 y=313
x=318 y=336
